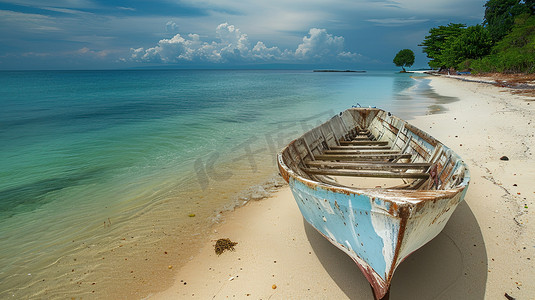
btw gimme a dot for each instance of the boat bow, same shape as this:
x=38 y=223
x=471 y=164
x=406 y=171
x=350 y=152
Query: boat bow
x=377 y=227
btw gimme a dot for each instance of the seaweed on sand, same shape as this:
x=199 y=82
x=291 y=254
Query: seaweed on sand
x=224 y=244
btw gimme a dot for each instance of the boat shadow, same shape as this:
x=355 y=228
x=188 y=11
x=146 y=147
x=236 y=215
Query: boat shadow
x=451 y=266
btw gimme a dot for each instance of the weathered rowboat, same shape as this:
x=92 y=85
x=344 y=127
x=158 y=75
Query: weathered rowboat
x=375 y=186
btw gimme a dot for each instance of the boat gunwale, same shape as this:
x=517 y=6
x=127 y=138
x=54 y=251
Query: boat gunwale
x=389 y=194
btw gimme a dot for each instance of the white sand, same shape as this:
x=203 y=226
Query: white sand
x=487 y=248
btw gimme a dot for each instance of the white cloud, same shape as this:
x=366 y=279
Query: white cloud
x=261 y=52
x=319 y=45
x=66 y=10
x=298 y=15
x=234 y=44
x=397 y=21
x=231 y=45
x=82 y=52
x=8 y=15
x=88 y=52
x=57 y=3
x=11 y=22
x=171 y=26
x=348 y=56
x=126 y=8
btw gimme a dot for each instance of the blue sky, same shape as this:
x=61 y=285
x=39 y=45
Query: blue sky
x=116 y=34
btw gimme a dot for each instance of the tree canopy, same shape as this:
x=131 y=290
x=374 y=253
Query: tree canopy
x=505 y=42
x=500 y=16
x=474 y=42
x=438 y=40
x=404 y=58
x=515 y=52
x=530 y=4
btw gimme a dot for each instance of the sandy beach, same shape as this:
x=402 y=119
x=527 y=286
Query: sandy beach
x=486 y=250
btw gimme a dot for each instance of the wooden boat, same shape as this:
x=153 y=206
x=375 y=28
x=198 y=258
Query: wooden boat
x=375 y=186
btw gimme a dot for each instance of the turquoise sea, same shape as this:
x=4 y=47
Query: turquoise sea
x=102 y=171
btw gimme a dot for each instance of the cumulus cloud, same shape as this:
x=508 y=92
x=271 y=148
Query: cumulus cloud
x=262 y=52
x=231 y=45
x=319 y=45
x=171 y=26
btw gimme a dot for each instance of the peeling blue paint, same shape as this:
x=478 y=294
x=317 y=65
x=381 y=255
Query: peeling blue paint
x=346 y=219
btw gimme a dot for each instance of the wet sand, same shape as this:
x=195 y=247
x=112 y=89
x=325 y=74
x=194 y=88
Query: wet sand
x=486 y=250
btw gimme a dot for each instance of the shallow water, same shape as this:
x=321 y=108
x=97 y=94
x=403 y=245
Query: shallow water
x=101 y=170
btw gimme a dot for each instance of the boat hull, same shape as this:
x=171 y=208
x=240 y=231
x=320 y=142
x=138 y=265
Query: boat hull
x=376 y=233
x=378 y=228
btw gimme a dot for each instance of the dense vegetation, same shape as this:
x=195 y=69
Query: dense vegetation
x=404 y=58
x=504 y=42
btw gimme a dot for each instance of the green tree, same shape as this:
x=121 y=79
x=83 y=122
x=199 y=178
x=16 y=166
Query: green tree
x=515 y=52
x=404 y=58
x=437 y=41
x=530 y=4
x=474 y=42
x=500 y=16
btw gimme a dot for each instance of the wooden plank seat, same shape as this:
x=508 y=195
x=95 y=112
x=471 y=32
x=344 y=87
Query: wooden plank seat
x=358 y=157
x=353 y=173
x=367 y=165
x=370 y=147
x=379 y=143
x=354 y=151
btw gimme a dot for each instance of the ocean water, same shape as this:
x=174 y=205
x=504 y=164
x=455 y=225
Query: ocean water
x=107 y=178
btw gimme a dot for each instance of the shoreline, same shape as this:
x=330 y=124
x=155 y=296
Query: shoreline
x=485 y=250
x=135 y=240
